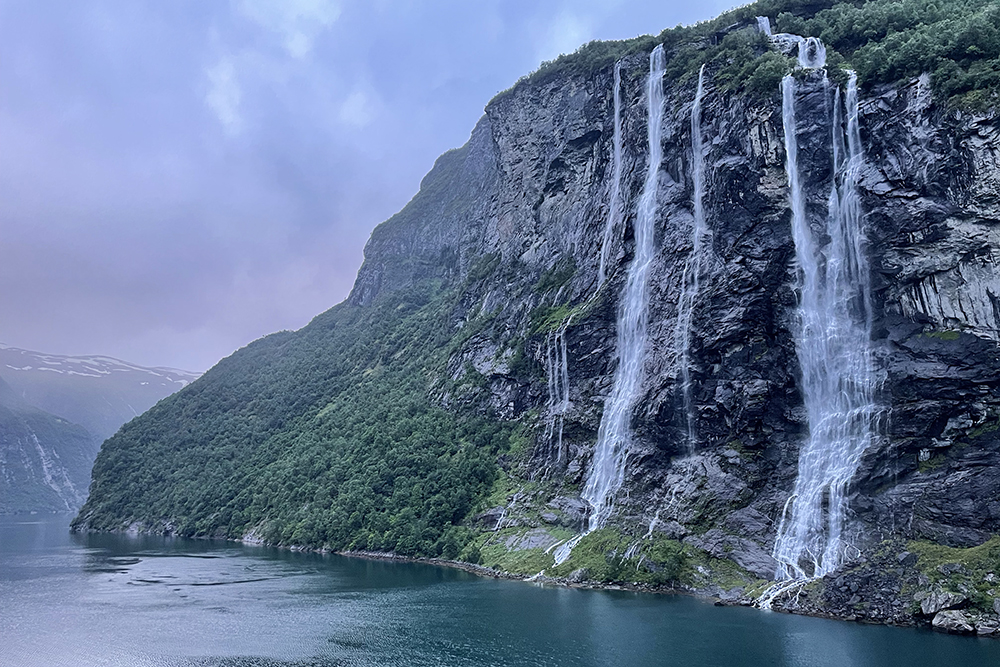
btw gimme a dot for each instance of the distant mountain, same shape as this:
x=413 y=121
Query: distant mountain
x=55 y=411
x=99 y=393
x=45 y=461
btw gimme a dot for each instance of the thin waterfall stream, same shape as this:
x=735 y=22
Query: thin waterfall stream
x=607 y=468
x=691 y=277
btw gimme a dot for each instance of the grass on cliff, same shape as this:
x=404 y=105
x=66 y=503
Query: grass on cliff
x=973 y=571
x=886 y=41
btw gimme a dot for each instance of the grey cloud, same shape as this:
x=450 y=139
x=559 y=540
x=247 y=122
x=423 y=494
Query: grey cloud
x=179 y=178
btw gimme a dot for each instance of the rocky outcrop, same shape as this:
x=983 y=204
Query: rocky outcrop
x=953 y=621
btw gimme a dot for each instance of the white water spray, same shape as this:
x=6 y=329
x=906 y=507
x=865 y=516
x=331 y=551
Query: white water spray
x=833 y=344
x=614 y=201
x=693 y=267
x=812 y=53
x=607 y=469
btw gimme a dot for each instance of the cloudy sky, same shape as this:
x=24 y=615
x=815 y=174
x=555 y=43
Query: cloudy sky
x=178 y=178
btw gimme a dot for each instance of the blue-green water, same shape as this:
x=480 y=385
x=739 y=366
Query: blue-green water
x=94 y=600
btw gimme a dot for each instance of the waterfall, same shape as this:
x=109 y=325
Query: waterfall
x=833 y=344
x=614 y=201
x=607 y=468
x=691 y=276
x=812 y=53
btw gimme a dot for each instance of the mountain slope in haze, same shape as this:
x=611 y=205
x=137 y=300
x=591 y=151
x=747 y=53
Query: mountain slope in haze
x=45 y=461
x=99 y=393
x=55 y=411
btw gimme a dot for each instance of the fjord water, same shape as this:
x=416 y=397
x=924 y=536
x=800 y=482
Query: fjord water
x=105 y=600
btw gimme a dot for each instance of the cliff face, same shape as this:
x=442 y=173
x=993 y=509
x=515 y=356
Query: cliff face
x=929 y=196
x=511 y=228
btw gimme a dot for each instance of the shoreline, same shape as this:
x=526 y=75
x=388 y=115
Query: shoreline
x=705 y=595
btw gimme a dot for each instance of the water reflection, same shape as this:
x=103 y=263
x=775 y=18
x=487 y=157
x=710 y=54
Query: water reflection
x=114 y=601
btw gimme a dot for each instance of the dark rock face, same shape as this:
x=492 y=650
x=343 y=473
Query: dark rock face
x=522 y=225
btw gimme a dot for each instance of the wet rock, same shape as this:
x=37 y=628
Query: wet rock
x=490 y=518
x=579 y=575
x=950 y=568
x=907 y=559
x=572 y=512
x=536 y=538
x=952 y=621
x=747 y=554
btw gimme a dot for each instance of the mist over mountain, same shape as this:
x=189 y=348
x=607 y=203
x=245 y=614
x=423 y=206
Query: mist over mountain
x=96 y=392
x=55 y=411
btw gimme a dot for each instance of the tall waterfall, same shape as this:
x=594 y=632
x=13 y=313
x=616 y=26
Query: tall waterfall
x=607 y=468
x=691 y=277
x=614 y=201
x=833 y=343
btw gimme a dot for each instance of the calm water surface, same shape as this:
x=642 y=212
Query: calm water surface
x=99 y=600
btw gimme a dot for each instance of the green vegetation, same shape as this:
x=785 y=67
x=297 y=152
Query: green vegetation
x=975 y=570
x=885 y=41
x=935 y=462
x=956 y=41
x=499 y=551
x=608 y=555
x=948 y=335
x=326 y=437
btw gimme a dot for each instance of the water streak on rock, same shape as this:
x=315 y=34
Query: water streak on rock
x=614 y=200
x=693 y=268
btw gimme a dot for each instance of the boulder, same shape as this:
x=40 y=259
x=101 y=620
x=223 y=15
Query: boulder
x=938 y=600
x=952 y=621
x=988 y=628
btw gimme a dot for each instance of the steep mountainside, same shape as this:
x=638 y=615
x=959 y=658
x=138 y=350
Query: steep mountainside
x=770 y=352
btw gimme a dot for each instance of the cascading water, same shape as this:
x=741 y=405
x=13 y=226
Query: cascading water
x=607 y=469
x=691 y=277
x=812 y=53
x=833 y=344
x=614 y=201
